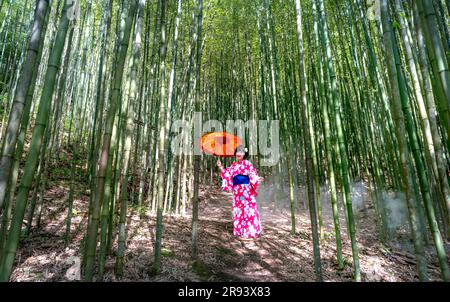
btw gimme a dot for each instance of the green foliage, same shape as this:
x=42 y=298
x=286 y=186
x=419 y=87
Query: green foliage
x=201 y=269
x=395 y=25
x=165 y=252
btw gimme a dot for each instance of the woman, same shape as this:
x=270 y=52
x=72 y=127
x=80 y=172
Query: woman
x=242 y=178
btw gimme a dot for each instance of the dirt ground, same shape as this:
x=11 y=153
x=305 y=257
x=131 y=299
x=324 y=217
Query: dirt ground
x=276 y=256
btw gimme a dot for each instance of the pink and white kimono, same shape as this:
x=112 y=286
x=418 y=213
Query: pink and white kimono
x=246 y=218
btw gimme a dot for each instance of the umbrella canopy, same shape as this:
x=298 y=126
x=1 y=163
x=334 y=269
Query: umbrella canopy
x=220 y=143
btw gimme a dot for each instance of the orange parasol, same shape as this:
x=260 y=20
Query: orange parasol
x=220 y=143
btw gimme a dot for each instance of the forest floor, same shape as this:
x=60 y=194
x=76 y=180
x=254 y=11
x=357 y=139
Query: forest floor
x=276 y=256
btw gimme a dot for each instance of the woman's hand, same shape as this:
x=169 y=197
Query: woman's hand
x=260 y=179
x=219 y=164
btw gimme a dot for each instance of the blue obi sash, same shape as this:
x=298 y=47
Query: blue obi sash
x=241 y=180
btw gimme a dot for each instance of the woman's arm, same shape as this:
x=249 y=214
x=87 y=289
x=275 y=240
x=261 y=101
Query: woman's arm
x=227 y=177
x=219 y=164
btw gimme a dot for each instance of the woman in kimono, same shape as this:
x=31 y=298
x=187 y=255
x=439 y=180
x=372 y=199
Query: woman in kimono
x=242 y=179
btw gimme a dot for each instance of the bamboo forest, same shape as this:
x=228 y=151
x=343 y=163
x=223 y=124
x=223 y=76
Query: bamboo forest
x=333 y=118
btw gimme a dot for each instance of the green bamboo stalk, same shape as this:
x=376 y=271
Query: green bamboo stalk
x=307 y=146
x=162 y=148
x=341 y=150
x=104 y=159
x=327 y=138
x=12 y=130
x=196 y=176
x=35 y=146
x=20 y=142
x=439 y=174
x=439 y=68
x=398 y=100
x=127 y=144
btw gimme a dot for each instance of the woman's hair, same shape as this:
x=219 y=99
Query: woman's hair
x=241 y=148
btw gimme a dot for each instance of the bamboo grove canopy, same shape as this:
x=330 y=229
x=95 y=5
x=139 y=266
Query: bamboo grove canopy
x=361 y=90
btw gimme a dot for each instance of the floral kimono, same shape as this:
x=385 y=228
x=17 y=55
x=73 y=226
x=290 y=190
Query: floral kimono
x=242 y=179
